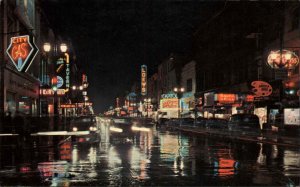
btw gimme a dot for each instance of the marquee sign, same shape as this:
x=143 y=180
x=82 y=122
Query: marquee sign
x=22 y=51
x=284 y=59
x=144 y=80
x=169 y=103
x=50 y=92
x=169 y=95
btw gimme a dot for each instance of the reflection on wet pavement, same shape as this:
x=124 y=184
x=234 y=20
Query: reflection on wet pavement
x=151 y=157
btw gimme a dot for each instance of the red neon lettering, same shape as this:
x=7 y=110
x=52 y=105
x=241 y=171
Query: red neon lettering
x=19 y=40
x=19 y=51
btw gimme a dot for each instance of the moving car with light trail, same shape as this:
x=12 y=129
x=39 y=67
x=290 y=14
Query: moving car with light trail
x=85 y=124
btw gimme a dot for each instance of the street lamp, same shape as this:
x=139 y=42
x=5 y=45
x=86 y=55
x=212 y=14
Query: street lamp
x=85 y=85
x=47 y=48
x=63 y=47
x=179 y=91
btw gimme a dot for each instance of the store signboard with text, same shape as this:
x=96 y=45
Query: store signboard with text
x=144 y=80
x=50 y=92
x=171 y=103
x=21 y=51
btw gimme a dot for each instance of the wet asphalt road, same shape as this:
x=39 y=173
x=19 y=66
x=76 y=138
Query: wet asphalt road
x=151 y=158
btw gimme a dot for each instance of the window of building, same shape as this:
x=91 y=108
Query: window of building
x=189 y=85
x=295 y=19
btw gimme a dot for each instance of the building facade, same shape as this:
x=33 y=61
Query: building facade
x=19 y=86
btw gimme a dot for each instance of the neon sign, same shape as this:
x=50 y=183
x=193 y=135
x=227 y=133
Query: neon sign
x=144 y=80
x=261 y=88
x=22 y=51
x=284 y=59
x=169 y=103
x=50 y=92
x=67 y=71
x=225 y=98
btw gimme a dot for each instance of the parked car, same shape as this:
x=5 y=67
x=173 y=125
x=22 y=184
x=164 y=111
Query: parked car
x=201 y=121
x=217 y=123
x=162 y=121
x=173 y=121
x=187 y=121
x=248 y=122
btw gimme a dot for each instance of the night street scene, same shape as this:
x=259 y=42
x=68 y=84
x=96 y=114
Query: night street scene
x=149 y=93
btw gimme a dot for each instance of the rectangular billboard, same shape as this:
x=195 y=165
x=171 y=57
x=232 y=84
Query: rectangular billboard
x=292 y=116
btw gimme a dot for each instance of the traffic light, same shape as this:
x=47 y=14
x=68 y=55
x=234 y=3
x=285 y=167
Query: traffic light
x=290 y=88
x=54 y=83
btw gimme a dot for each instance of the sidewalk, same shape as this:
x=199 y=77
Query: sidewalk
x=268 y=137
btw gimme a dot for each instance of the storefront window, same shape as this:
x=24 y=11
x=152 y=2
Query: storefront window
x=10 y=102
x=25 y=105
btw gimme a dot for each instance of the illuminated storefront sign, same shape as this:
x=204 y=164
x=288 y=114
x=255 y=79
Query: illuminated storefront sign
x=225 y=98
x=262 y=115
x=67 y=106
x=169 y=95
x=144 y=80
x=67 y=71
x=50 y=92
x=261 y=88
x=284 y=59
x=249 y=98
x=22 y=51
x=169 y=103
x=292 y=116
x=187 y=101
x=84 y=104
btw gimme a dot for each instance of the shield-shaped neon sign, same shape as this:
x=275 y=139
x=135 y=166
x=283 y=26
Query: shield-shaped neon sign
x=22 y=51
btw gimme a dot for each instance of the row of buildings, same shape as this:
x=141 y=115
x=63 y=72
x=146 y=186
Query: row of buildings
x=38 y=67
x=243 y=60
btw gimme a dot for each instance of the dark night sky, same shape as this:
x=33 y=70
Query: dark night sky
x=113 y=38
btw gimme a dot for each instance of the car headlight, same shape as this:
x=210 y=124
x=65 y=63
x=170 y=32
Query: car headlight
x=93 y=128
x=75 y=129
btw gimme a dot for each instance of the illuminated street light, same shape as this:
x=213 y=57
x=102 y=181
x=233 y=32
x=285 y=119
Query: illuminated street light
x=47 y=47
x=85 y=85
x=63 y=47
x=80 y=87
x=74 y=87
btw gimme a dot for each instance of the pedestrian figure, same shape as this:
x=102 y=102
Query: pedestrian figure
x=8 y=127
x=18 y=122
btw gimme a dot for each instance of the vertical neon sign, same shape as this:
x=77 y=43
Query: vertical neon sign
x=67 y=71
x=144 y=80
